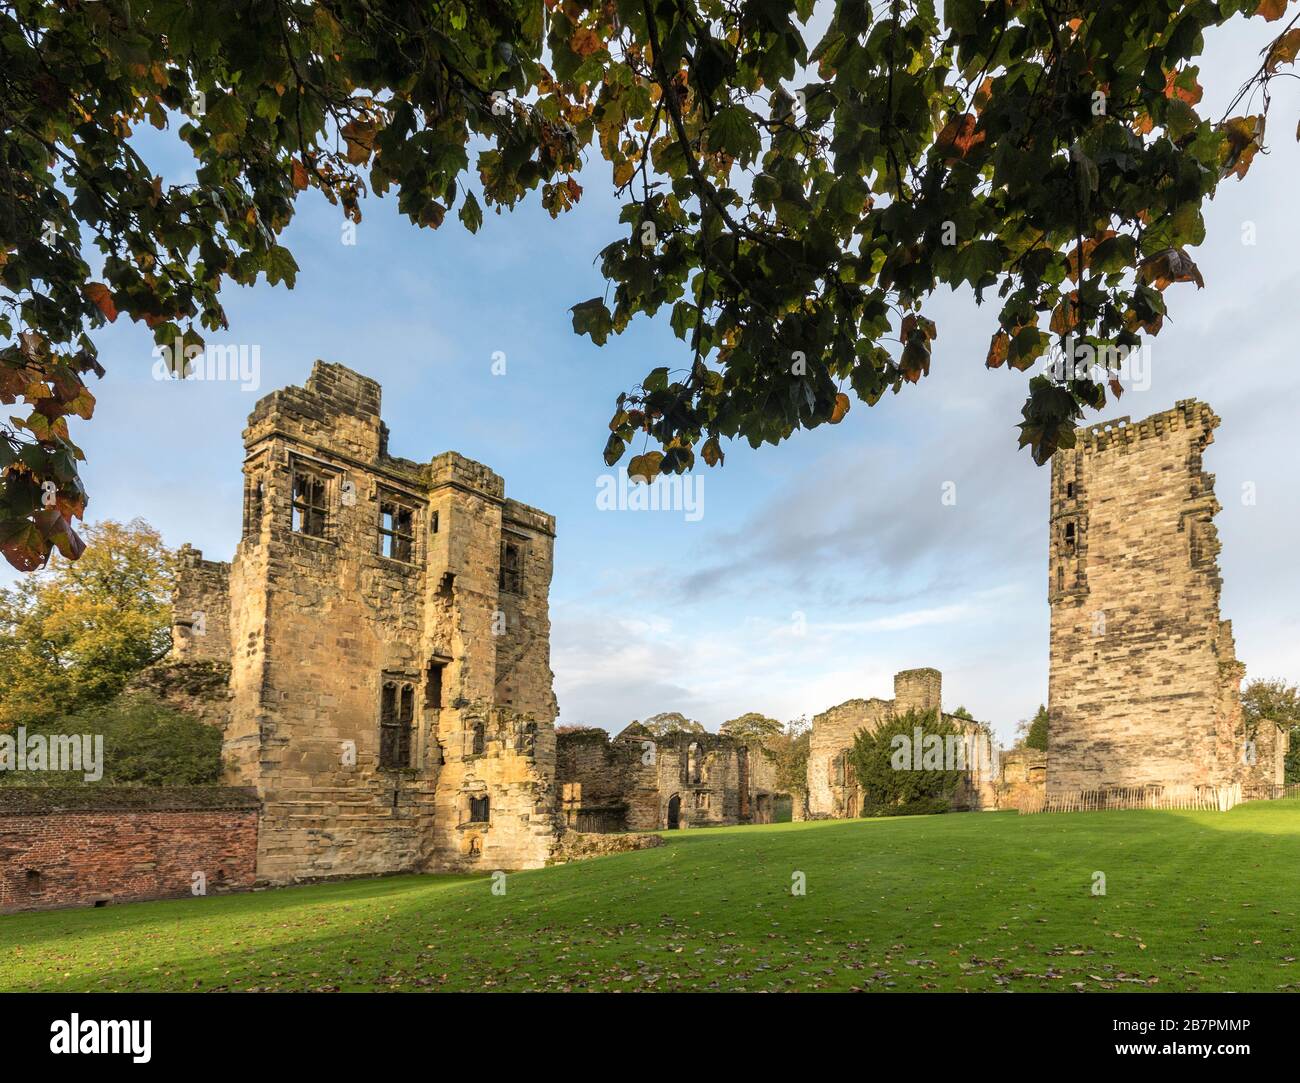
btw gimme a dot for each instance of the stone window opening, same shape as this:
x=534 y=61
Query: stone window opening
x=512 y=567
x=480 y=809
x=1069 y=539
x=1069 y=490
x=396 y=715
x=433 y=683
x=433 y=522
x=34 y=884
x=528 y=738
x=310 y=507
x=693 y=762
x=1060 y=577
x=478 y=739
x=396 y=531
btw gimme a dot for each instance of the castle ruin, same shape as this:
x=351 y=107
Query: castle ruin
x=636 y=781
x=833 y=788
x=1145 y=686
x=387 y=627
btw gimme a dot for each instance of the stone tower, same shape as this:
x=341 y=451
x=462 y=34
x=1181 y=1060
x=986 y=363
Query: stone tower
x=1145 y=684
x=918 y=690
x=389 y=642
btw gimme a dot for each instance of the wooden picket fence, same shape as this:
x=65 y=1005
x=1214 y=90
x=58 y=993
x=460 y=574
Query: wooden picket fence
x=1204 y=798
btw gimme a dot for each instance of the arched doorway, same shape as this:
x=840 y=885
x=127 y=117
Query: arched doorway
x=674 y=811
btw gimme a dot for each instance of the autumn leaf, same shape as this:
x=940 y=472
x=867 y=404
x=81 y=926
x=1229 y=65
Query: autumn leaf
x=645 y=467
x=57 y=531
x=841 y=408
x=100 y=296
x=1284 y=50
x=1191 y=95
x=360 y=138
x=1271 y=10
x=585 y=42
x=1168 y=266
x=22 y=545
x=1244 y=137
x=998 y=347
x=300 y=176
x=711 y=451
x=958 y=138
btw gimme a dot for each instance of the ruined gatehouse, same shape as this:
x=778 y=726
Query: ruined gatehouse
x=387 y=627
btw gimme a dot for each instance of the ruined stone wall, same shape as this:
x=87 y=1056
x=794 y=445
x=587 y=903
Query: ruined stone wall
x=1144 y=684
x=328 y=622
x=200 y=608
x=1022 y=777
x=198 y=688
x=765 y=791
x=86 y=846
x=641 y=783
x=702 y=772
x=594 y=777
x=832 y=786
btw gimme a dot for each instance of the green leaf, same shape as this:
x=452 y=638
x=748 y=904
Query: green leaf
x=593 y=318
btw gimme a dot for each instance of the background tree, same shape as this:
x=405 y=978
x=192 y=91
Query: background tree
x=792 y=201
x=751 y=728
x=146 y=743
x=1275 y=700
x=889 y=791
x=788 y=751
x=666 y=722
x=1032 y=732
x=72 y=635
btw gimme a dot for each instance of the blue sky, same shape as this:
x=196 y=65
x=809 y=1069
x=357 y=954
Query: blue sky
x=819 y=567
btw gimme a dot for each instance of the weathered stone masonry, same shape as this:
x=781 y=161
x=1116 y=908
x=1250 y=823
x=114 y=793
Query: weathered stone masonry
x=637 y=782
x=833 y=789
x=1144 y=688
x=388 y=631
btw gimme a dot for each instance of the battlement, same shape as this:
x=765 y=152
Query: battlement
x=1123 y=431
x=345 y=390
x=918 y=690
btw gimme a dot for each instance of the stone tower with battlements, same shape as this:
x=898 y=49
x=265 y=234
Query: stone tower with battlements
x=1145 y=685
x=387 y=626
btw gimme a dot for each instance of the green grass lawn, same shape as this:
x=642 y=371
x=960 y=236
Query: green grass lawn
x=1200 y=901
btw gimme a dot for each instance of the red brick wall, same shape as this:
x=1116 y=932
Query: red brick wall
x=79 y=857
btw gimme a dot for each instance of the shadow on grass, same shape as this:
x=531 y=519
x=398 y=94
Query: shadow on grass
x=32 y=928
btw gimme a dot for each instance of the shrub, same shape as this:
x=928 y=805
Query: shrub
x=146 y=743
x=898 y=779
